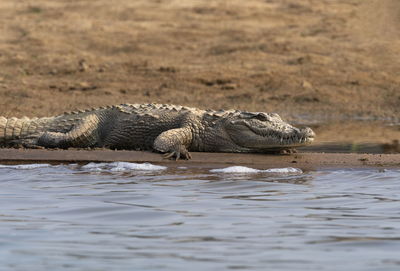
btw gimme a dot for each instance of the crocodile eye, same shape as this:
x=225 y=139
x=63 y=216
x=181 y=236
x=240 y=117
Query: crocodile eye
x=262 y=117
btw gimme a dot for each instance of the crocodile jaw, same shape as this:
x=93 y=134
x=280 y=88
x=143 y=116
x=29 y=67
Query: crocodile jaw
x=269 y=137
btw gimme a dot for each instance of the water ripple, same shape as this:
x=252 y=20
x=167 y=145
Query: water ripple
x=71 y=217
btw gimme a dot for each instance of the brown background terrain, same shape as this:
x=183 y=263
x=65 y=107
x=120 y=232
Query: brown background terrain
x=309 y=60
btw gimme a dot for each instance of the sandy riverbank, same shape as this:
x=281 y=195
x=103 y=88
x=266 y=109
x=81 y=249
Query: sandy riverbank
x=309 y=60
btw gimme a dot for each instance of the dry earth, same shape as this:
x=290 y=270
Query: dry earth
x=306 y=59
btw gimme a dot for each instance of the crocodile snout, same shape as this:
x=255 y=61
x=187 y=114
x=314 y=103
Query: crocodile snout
x=307 y=132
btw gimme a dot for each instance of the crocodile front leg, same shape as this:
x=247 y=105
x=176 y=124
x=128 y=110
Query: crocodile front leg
x=174 y=143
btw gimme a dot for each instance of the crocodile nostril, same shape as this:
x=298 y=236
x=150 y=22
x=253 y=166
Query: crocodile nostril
x=307 y=131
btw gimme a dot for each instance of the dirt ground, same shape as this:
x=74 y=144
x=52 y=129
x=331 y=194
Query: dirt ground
x=309 y=60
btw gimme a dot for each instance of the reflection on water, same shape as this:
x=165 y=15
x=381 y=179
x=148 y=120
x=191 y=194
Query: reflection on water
x=356 y=137
x=83 y=218
x=345 y=147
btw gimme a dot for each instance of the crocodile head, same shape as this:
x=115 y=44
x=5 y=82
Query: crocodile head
x=258 y=131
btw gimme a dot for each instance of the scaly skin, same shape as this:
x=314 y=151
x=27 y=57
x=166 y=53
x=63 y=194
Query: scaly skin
x=173 y=130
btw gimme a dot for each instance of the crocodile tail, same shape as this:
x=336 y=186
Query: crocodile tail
x=12 y=129
x=3 y=124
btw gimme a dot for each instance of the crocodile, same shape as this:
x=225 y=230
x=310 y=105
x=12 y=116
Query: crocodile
x=169 y=129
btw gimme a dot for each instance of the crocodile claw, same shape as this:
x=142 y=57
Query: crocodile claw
x=180 y=152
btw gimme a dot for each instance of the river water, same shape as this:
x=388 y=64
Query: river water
x=124 y=216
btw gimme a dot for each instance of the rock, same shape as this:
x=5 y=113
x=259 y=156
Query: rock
x=228 y=86
x=306 y=84
x=83 y=66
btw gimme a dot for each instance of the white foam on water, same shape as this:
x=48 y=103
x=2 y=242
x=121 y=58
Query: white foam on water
x=122 y=166
x=284 y=170
x=235 y=169
x=240 y=169
x=27 y=166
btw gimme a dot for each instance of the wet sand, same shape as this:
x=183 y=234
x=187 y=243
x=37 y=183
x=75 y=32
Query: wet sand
x=304 y=161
